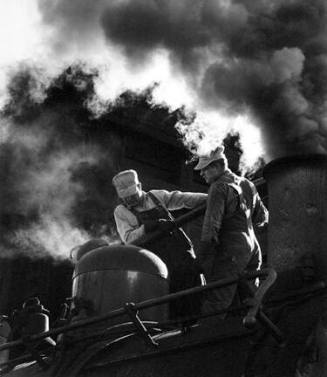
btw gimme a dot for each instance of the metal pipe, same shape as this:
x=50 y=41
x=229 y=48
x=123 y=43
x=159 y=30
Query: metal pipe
x=256 y=301
x=157 y=234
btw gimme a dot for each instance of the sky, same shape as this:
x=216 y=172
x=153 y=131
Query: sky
x=255 y=67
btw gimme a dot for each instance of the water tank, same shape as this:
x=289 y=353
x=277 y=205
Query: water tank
x=107 y=277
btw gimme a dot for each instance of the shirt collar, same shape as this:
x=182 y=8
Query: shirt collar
x=226 y=177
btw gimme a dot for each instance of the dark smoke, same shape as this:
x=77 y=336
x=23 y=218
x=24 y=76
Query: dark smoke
x=74 y=23
x=142 y=26
x=269 y=58
x=266 y=58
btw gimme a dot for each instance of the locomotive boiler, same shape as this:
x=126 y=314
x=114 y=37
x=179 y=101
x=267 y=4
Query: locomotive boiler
x=117 y=322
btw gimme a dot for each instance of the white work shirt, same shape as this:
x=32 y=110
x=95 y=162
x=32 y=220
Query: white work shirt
x=127 y=224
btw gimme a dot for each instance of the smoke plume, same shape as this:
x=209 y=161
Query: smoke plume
x=264 y=61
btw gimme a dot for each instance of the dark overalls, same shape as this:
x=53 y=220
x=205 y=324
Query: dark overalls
x=238 y=248
x=176 y=251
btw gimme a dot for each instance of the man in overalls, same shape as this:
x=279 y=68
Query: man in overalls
x=228 y=242
x=143 y=212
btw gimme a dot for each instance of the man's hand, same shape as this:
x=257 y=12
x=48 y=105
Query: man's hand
x=165 y=225
x=262 y=228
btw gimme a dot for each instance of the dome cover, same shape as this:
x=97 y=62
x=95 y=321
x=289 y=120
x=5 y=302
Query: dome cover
x=121 y=257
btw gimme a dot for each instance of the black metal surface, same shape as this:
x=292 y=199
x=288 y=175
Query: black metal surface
x=132 y=312
x=298 y=212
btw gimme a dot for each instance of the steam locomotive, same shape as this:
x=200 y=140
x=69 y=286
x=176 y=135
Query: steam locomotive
x=117 y=322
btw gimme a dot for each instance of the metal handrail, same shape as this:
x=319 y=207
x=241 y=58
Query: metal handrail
x=268 y=273
x=256 y=301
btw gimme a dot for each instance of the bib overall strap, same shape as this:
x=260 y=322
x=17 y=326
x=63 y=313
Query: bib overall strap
x=158 y=203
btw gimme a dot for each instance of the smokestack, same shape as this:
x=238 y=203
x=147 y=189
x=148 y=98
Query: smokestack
x=298 y=212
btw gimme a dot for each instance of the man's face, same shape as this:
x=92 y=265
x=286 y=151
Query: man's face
x=135 y=199
x=211 y=172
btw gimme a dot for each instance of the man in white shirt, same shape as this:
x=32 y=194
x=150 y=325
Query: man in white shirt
x=143 y=212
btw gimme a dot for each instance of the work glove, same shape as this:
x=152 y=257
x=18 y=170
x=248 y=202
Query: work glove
x=150 y=226
x=166 y=225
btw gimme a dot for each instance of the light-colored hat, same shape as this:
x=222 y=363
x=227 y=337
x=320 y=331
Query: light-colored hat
x=215 y=155
x=126 y=183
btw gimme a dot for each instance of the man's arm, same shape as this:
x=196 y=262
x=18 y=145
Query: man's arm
x=127 y=225
x=175 y=200
x=210 y=229
x=260 y=216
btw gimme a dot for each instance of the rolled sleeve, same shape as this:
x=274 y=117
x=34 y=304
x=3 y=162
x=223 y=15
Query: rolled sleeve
x=127 y=224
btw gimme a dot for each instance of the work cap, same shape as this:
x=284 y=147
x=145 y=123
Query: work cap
x=126 y=183
x=206 y=160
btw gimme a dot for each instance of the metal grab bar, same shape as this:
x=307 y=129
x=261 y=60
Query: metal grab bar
x=139 y=306
x=255 y=302
x=256 y=314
